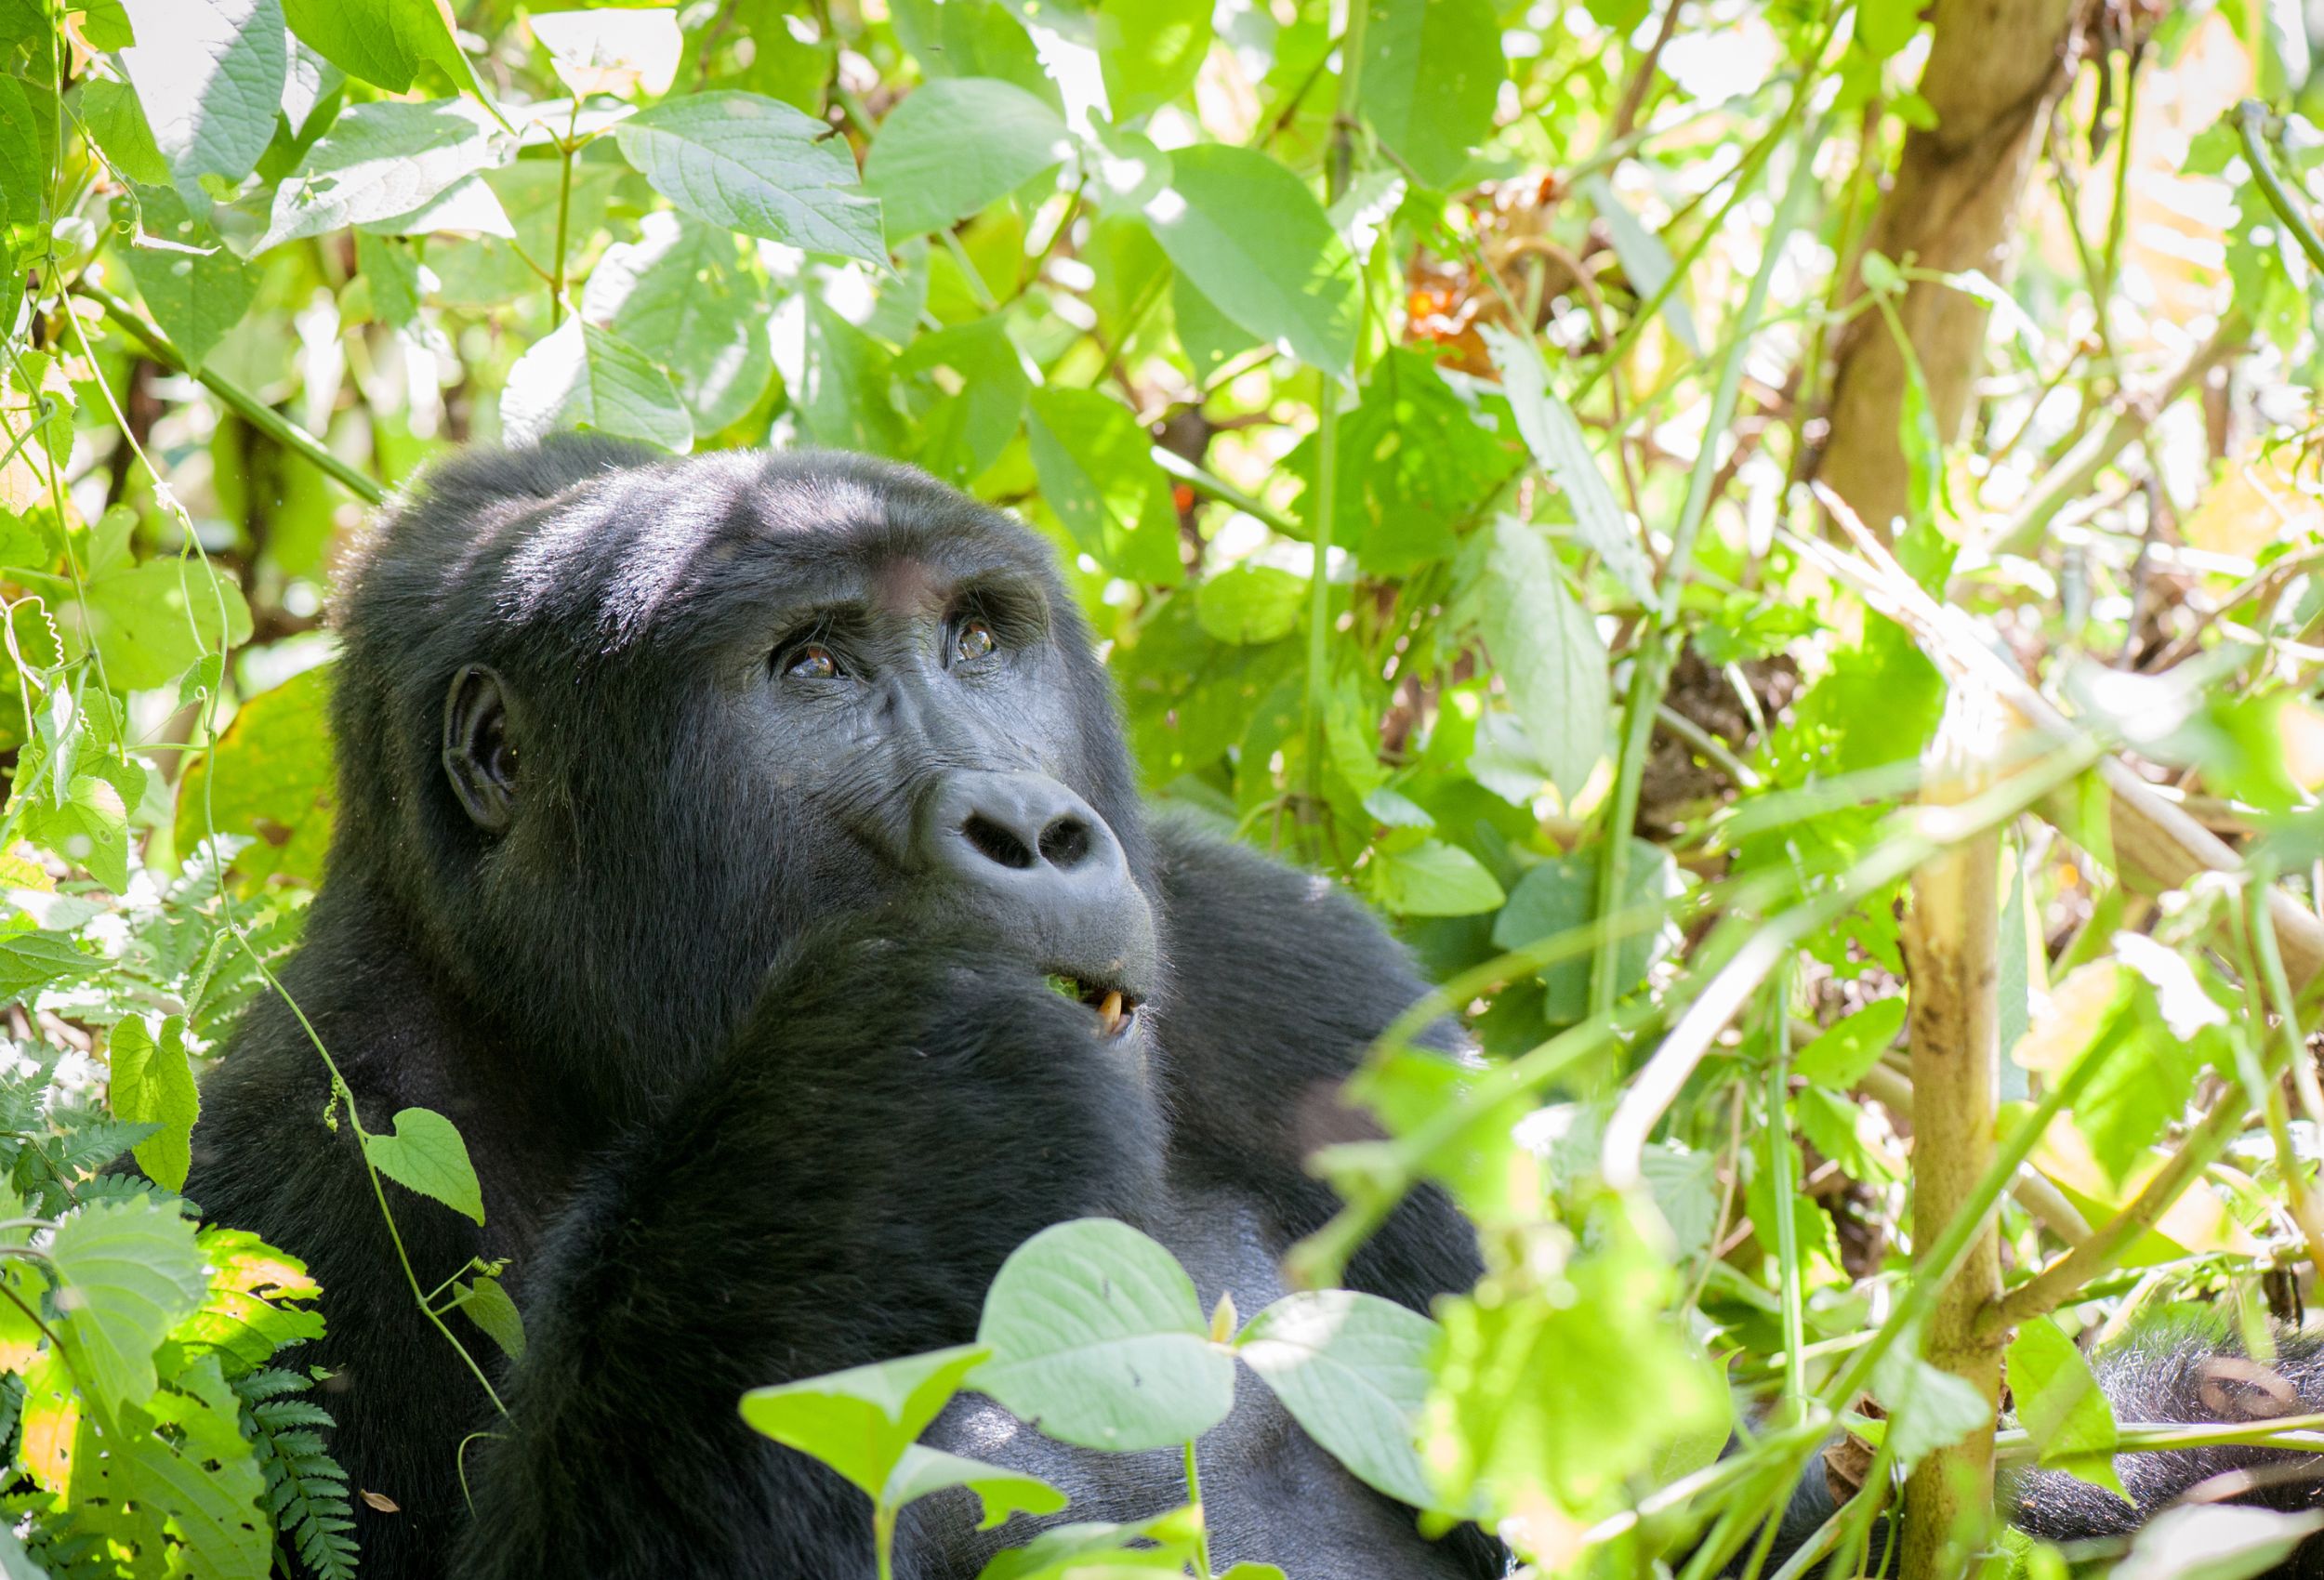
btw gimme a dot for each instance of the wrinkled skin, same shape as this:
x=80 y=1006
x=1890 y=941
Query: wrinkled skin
x=711 y=834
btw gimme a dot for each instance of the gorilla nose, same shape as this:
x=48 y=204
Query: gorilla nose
x=1037 y=863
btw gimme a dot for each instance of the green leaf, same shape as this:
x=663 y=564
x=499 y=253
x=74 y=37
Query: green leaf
x=110 y=110
x=275 y=784
x=981 y=386
x=584 y=376
x=424 y=1153
x=127 y=1271
x=380 y=161
x=1252 y=238
x=999 y=1492
x=1433 y=72
x=1552 y=663
x=1250 y=602
x=151 y=622
x=209 y=76
x=861 y=1421
x=195 y=289
x=1150 y=51
x=1846 y=1050
x=23 y=166
x=2215 y=1542
x=30 y=961
x=957 y=145
x=391 y=274
x=1063 y=1552
x=2062 y=1407
x=681 y=289
x=1645 y=262
x=846 y=398
x=1557 y=897
x=383 y=42
x=1432 y=879
x=487 y=1304
x=611 y=49
x=1554 y=436
x=1098 y=1339
x=972 y=38
x=1927 y=1409
x=1353 y=1370
x=152 y=1083
x=747 y=163
x=1096 y=469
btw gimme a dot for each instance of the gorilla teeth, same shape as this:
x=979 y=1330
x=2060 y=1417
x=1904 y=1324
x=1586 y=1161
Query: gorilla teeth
x=1112 y=1018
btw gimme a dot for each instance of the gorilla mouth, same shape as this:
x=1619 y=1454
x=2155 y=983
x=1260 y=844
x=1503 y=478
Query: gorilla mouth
x=1116 y=1010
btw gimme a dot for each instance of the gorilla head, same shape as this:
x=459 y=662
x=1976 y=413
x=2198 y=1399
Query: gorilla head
x=597 y=738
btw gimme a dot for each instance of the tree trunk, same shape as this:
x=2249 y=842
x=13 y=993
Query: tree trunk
x=1995 y=69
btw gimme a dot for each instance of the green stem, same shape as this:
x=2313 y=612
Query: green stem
x=1779 y=1166
x=1202 y=1528
x=884 y=1540
x=566 y=148
x=251 y=410
x=1658 y=652
x=2250 y=115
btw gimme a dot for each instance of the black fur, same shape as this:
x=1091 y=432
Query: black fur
x=696 y=1197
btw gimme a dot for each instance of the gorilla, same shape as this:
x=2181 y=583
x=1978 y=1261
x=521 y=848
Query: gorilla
x=715 y=837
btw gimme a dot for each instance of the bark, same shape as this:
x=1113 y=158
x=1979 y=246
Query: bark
x=1995 y=69
x=1952 y=948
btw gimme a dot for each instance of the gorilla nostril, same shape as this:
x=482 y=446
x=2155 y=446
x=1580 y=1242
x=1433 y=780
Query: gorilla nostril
x=1065 y=843
x=997 y=844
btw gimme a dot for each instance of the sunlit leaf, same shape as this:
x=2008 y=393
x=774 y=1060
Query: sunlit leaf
x=209 y=77
x=423 y=1152
x=957 y=145
x=754 y=165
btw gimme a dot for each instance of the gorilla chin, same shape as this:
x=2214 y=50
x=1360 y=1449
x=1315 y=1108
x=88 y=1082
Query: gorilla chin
x=744 y=852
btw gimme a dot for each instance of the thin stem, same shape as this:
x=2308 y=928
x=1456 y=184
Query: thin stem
x=566 y=148
x=1194 y=1495
x=1780 y=1173
x=2250 y=115
x=884 y=1540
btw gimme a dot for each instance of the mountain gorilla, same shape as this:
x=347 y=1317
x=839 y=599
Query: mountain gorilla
x=629 y=746
x=712 y=835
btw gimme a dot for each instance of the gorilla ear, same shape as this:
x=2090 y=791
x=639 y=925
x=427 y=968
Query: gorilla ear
x=479 y=758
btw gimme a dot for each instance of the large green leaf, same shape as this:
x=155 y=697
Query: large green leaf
x=1430 y=879
x=2062 y=1407
x=1097 y=471
x=209 y=76
x=1252 y=238
x=847 y=390
x=1554 y=436
x=195 y=289
x=1250 y=602
x=150 y=1083
x=110 y=111
x=151 y=622
x=956 y=145
x=380 y=161
x=1097 y=1337
x=23 y=166
x=273 y=782
x=862 y=1421
x=999 y=1492
x=1432 y=72
x=1846 y=1050
x=972 y=38
x=682 y=290
x=758 y=166
x=1557 y=897
x=981 y=386
x=381 y=41
x=32 y=960
x=584 y=376
x=1353 y=1370
x=127 y=1271
x=424 y=1153
x=1552 y=663
x=1150 y=51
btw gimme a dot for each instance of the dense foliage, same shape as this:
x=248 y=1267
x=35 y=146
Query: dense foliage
x=1425 y=396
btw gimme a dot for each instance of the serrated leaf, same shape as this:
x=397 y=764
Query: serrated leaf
x=380 y=161
x=424 y=1153
x=1552 y=663
x=258 y=1300
x=2062 y=1407
x=32 y=960
x=1096 y=469
x=957 y=145
x=209 y=77
x=1433 y=72
x=758 y=166
x=1251 y=238
x=1098 y=1339
x=1554 y=436
x=126 y=1272
x=584 y=376
x=152 y=1083
x=151 y=622
x=861 y=1421
x=681 y=288
x=1353 y=1370
x=195 y=289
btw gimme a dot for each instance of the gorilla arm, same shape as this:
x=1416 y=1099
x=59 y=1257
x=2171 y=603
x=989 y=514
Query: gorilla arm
x=1280 y=981
x=840 y=1188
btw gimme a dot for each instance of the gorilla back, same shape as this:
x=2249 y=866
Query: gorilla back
x=713 y=836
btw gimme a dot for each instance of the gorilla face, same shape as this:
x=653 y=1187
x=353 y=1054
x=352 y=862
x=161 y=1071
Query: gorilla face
x=886 y=682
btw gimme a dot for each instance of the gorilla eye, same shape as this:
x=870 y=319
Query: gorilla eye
x=813 y=662
x=974 y=640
